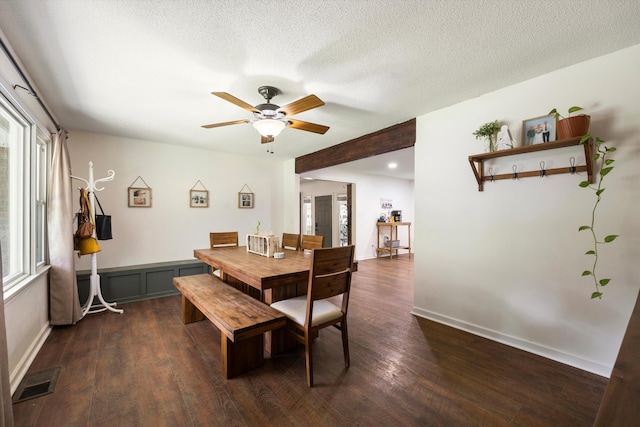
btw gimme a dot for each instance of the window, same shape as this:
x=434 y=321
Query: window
x=41 y=172
x=307 y=216
x=343 y=220
x=23 y=183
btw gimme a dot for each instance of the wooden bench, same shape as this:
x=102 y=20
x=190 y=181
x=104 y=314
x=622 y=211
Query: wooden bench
x=241 y=319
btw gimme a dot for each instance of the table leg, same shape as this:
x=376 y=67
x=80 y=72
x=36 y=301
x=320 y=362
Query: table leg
x=242 y=356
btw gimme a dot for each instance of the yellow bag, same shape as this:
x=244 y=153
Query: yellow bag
x=88 y=246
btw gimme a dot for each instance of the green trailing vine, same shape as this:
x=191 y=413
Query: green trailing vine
x=605 y=166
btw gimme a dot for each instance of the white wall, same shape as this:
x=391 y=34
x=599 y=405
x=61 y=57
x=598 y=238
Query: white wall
x=291 y=191
x=170 y=230
x=506 y=263
x=369 y=189
x=27 y=322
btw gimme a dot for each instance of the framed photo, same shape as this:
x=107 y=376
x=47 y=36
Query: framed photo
x=198 y=198
x=245 y=200
x=139 y=197
x=538 y=130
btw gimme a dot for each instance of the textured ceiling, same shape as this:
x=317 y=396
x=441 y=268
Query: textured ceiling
x=145 y=69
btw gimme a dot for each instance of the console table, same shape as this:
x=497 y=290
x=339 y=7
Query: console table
x=393 y=236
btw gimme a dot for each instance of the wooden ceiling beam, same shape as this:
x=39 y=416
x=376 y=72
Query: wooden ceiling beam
x=396 y=137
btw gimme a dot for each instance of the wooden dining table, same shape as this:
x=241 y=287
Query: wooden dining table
x=265 y=278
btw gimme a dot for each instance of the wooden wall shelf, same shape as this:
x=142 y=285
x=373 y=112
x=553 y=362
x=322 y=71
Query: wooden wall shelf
x=477 y=161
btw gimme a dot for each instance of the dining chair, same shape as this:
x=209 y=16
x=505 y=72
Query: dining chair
x=220 y=240
x=330 y=276
x=310 y=241
x=291 y=241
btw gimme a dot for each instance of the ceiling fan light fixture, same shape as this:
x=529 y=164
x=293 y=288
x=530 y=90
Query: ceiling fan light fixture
x=269 y=127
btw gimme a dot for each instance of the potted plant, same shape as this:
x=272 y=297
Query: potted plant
x=571 y=126
x=605 y=166
x=488 y=131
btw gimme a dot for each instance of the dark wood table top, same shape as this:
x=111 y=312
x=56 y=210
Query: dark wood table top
x=255 y=270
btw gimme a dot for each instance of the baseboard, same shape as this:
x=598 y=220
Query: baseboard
x=27 y=359
x=549 y=353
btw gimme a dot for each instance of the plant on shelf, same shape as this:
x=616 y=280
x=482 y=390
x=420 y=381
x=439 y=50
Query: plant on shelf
x=605 y=167
x=571 y=126
x=558 y=116
x=488 y=131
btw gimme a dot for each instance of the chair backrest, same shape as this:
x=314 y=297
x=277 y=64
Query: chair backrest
x=310 y=241
x=291 y=241
x=227 y=238
x=330 y=275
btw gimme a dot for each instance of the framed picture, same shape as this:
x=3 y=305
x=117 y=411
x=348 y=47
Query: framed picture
x=139 y=197
x=538 y=130
x=198 y=198
x=245 y=200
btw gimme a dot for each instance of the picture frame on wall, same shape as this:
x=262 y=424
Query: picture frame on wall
x=139 y=197
x=245 y=200
x=538 y=130
x=198 y=198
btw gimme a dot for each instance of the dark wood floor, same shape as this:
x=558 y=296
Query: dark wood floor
x=145 y=368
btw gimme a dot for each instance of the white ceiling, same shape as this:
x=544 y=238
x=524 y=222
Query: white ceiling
x=145 y=69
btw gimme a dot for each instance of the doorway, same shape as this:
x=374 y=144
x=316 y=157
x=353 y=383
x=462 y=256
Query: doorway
x=323 y=219
x=326 y=209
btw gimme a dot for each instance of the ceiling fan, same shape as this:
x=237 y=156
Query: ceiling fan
x=269 y=119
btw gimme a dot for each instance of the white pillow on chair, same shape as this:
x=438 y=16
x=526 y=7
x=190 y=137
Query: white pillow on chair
x=296 y=310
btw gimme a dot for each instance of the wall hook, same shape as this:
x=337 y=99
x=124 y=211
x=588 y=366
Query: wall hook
x=491 y=174
x=515 y=172
x=572 y=162
x=29 y=92
x=542 y=171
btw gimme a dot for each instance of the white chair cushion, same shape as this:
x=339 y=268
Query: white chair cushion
x=296 y=310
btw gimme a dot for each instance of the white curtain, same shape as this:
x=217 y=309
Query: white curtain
x=6 y=411
x=64 y=305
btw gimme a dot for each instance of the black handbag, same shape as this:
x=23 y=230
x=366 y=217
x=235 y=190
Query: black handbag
x=103 y=224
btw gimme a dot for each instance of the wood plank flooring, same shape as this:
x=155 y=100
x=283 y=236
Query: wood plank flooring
x=145 y=368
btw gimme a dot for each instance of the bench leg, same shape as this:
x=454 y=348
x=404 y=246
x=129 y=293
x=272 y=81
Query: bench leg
x=242 y=356
x=190 y=312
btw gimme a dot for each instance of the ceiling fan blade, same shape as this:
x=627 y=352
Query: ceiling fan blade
x=309 y=127
x=216 y=125
x=302 y=104
x=266 y=139
x=232 y=99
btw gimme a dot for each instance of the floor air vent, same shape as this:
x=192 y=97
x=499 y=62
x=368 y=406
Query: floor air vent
x=36 y=384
